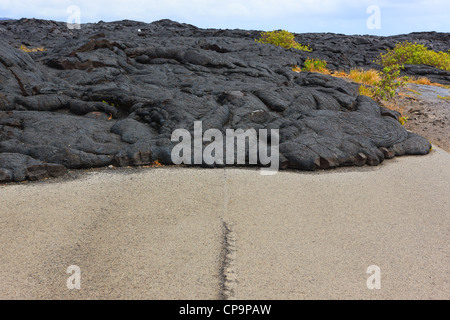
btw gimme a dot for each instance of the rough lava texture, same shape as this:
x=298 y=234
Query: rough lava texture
x=113 y=93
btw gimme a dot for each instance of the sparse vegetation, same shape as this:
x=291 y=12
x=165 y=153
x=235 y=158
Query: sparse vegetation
x=109 y=103
x=421 y=80
x=313 y=65
x=380 y=86
x=414 y=53
x=25 y=49
x=339 y=74
x=316 y=65
x=282 y=38
x=366 y=91
x=414 y=91
x=386 y=87
x=369 y=77
x=403 y=120
x=157 y=164
x=377 y=85
x=390 y=82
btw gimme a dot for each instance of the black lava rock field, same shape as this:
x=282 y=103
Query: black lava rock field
x=113 y=94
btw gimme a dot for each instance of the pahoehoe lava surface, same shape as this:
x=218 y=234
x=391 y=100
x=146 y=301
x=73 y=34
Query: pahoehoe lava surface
x=113 y=93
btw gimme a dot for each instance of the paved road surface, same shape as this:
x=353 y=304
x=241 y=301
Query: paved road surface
x=174 y=233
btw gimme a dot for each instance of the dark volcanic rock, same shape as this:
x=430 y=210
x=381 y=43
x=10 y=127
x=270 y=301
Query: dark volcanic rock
x=18 y=167
x=113 y=93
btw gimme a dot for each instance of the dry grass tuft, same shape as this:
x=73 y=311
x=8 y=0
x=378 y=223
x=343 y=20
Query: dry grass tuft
x=369 y=77
x=420 y=80
x=157 y=164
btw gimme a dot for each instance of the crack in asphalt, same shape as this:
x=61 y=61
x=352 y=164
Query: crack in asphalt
x=228 y=276
x=227 y=272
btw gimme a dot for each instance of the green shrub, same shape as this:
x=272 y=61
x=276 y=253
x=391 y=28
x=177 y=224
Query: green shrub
x=413 y=53
x=282 y=38
x=390 y=82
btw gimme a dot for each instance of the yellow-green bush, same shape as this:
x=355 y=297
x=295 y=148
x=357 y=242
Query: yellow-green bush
x=281 y=38
x=385 y=88
x=413 y=53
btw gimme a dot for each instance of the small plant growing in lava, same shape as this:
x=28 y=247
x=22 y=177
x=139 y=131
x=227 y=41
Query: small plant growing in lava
x=25 y=49
x=316 y=65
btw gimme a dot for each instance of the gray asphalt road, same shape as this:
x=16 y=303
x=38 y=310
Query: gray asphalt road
x=174 y=233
